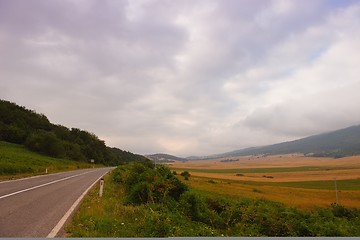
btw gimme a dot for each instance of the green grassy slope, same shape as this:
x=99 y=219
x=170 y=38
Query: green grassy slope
x=16 y=161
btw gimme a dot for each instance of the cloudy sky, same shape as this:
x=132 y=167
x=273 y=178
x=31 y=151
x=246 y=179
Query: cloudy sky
x=185 y=77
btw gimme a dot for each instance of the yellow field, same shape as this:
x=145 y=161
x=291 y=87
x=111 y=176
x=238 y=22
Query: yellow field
x=289 y=160
x=278 y=171
x=286 y=176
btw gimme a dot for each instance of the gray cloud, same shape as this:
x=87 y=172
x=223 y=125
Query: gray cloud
x=184 y=77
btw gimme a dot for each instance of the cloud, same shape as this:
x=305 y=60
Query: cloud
x=185 y=77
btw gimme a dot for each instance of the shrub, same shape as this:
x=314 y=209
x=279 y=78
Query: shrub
x=143 y=183
x=256 y=190
x=138 y=194
x=340 y=211
x=194 y=206
x=185 y=174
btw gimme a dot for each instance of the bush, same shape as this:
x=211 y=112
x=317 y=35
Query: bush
x=185 y=174
x=194 y=206
x=340 y=211
x=138 y=194
x=143 y=183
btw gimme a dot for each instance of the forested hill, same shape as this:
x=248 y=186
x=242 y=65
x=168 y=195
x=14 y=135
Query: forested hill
x=23 y=126
x=339 y=143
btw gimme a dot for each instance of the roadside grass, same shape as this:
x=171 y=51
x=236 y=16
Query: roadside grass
x=17 y=162
x=204 y=211
x=108 y=216
x=303 y=195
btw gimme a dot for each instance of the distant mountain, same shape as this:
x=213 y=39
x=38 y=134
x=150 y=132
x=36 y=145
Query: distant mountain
x=165 y=157
x=340 y=143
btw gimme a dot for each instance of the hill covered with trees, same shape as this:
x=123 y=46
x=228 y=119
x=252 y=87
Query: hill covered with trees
x=33 y=130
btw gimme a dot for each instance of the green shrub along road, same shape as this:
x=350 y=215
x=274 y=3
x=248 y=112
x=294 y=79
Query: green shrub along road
x=142 y=201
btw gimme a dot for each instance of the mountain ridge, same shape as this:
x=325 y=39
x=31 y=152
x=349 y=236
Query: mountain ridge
x=338 y=143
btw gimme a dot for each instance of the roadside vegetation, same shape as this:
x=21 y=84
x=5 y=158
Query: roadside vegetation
x=16 y=161
x=142 y=201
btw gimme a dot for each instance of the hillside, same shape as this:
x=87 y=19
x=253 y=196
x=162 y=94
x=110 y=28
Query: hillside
x=17 y=161
x=339 y=143
x=34 y=131
x=165 y=157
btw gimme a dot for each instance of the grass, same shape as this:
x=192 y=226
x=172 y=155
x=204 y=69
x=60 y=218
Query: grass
x=109 y=217
x=205 y=211
x=16 y=162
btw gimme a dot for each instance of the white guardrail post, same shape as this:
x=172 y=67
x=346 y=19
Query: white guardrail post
x=101 y=187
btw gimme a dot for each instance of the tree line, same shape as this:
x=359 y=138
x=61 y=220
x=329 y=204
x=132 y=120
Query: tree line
x=33 y=130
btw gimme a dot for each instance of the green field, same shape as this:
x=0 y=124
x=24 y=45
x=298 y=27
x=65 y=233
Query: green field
x=16 y=161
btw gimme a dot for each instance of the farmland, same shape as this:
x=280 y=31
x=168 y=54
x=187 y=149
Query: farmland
x=293 y=179
x=143 y=201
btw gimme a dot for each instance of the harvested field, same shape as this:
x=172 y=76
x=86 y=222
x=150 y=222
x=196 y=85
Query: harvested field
x=296 y=197
x=276 y=161
x=293 y=179
x=285 y=176
x=278 y=168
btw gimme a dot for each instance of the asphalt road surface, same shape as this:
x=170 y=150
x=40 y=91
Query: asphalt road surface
x=39 y=206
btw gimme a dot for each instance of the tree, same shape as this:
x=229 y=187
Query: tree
x=45 y=142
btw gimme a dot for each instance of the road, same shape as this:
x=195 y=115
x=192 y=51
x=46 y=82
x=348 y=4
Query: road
x=39 y=206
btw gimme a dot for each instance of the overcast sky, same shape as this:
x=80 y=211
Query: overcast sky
x=184 y=77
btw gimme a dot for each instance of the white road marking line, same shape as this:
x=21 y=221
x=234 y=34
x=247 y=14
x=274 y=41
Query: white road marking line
x=37 y=176
x=42 y=185
x=63 y=220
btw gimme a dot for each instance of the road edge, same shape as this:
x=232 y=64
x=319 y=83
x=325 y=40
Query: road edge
x=67 y=215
